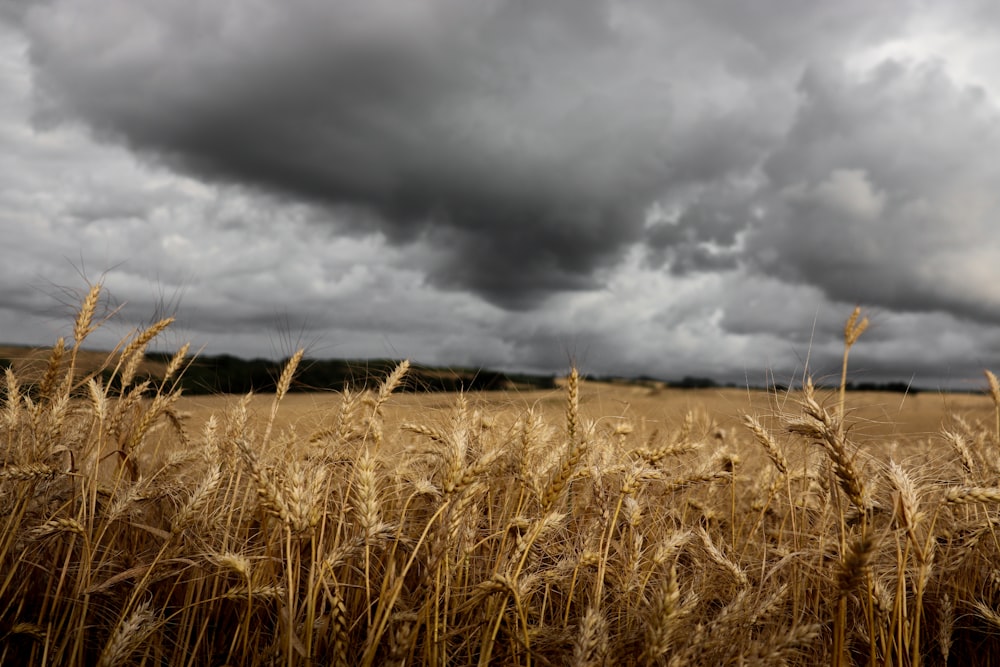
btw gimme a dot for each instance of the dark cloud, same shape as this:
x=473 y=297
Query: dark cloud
x=14 y=11
x=701 y=229
x=527 y=138
x=707 y=187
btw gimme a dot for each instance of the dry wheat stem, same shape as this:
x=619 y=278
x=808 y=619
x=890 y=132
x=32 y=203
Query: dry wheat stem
x=13 y=405
x=572 y=405
x=779 y=651
x=128 y=636
x=591 y=646
x=972 y=494
x=46 y=388
x=461 y=548
x=961 y=447
x=852 y=331
x=176 y=361
x=662 y=616
x=134 y=352
x=58 y=525
x=994 y=385
x=818 y=425
x=763 y=436
x=29 y=472
x=83 y=326
x=854 y=565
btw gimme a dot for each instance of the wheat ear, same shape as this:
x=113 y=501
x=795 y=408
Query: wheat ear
x=46 y=388
x=991 y=378
x=763 y=436
x=591 y=646
x=972 y=494
x=84 y=324
x=135 y=351
x=128 y=636
x=284 y=384
x=176 y=362
x=661 y=619
x=574 y=452
x=852 y=331
x=821 y=426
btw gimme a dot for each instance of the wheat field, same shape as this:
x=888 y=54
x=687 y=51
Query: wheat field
x=597 y=525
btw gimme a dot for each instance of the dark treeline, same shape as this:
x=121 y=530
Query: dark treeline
x=690 y=382
x=226 y=374
x=898 y=387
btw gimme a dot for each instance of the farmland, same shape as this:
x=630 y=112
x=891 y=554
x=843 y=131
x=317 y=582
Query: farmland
x=589 y=524
x=877 y=417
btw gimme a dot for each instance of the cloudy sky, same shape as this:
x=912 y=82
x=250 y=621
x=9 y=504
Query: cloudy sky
x=667 y=187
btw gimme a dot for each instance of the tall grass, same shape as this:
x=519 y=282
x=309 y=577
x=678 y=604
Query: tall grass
x=479 y=539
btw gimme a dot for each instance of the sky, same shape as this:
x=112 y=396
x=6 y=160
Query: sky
x=644 y=187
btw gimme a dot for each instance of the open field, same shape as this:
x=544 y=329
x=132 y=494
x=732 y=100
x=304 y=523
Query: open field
x=876 y=417
x=909 y=425
x=593 y=525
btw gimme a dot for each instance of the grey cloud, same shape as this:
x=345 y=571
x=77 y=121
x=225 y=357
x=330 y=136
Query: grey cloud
x=794 y=313
x=699 y=229
x=699 y=181
x=527 y=138
x=779 y=30
x=14 y=11
x=880 y=192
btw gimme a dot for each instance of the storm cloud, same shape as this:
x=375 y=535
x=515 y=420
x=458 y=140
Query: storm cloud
x=519 y=177
x=529 y=139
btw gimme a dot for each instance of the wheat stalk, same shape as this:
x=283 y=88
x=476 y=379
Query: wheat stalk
x=852 y=331
x=304 y=490
x=908 y=502
x=961 y=447
x=29 y=472
x=763 y=436
x=946 y=626
x=716 y=555
x=854 y=564
x=33 y=630
x=58 y=525
x=244 y=592
x=572 y=405
x=591 y=646
x=654 y=456
x=176 y=362
x=782 y=648
x=12 y=406
x=994 y=385
x=366 y=504
x=393 y=381
x=817 y=424
x=135 y=350
x=338 y=629
x=198 y=502
x=661 y=618
x=83 y=326
x=128 y=636
x=46 y=388
x=972 y=494
x=269 y=491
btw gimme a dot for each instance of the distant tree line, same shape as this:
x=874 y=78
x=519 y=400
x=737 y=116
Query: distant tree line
x=227 y=374
x=692 y=382
x=898 y=387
